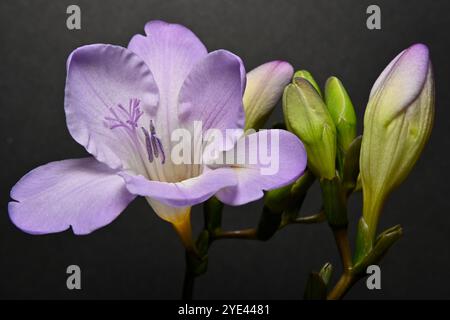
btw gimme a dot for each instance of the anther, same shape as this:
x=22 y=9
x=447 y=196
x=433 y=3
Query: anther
x=148 y=144
x=153 y=144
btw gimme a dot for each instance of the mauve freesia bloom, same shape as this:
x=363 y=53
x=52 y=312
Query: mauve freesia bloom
x=122 y=104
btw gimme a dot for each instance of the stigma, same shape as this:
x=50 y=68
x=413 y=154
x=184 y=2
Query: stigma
x=122 y=117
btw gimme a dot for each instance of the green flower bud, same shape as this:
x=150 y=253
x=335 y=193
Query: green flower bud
x=397 y=124
x=308 y=76
x=307 y=116
x=342 y=112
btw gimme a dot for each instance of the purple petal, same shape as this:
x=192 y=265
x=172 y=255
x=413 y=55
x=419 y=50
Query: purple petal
x=403 y=79
x=102 y=81
x=80 y=193
x=265 y=85
x=212 y=93
x=288 y=158
x=170 y=51
x=181 y=194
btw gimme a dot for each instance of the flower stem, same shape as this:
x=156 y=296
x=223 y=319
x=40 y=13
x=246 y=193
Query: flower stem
x=343 y=244
x=251 y=233
x=344 y=284
x=347 y=278
x=196 y=264
x=315 y=218
x=236 y=234
x=188 y=284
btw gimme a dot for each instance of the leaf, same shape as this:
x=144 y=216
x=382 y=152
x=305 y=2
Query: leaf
x=316 y=288
x=326 y=273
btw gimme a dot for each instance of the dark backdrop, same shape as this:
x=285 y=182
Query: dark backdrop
x=139 y=255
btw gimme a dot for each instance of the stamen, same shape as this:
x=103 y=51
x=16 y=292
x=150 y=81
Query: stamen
x=153 y=144
x=148 y=144
x=163 y=156
x=152 y=128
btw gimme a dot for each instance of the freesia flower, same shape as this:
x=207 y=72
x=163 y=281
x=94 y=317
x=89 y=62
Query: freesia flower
x=122 y=104
x=397 y=124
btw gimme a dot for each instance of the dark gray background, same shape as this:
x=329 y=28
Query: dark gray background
x=139 y=255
